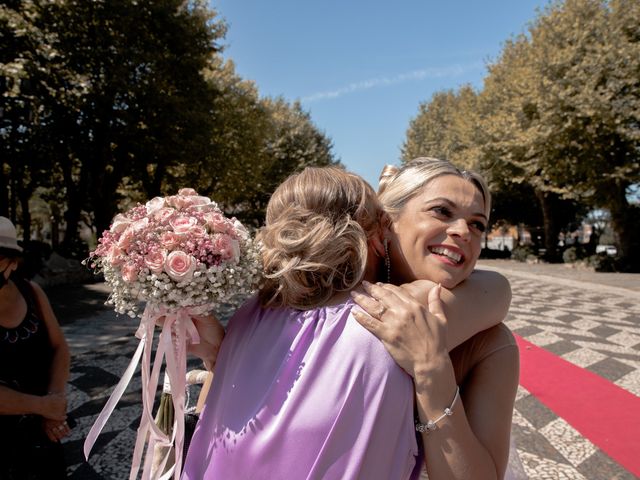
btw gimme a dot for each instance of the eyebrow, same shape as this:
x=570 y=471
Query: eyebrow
x=453 y=205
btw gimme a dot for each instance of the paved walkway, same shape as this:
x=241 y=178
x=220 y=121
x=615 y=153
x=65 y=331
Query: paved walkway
x=591 y=320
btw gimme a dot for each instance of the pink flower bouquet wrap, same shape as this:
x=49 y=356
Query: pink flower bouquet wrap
x=182 y=257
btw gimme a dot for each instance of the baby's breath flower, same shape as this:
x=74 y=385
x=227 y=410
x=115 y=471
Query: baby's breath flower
x=217 y=261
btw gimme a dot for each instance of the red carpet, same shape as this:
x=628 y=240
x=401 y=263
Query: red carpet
x=607 y=415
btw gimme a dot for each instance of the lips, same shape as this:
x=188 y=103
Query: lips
x=454 y=255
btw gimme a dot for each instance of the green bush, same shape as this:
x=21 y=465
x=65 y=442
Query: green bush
x=570 y=255
x=601 y=262
x=575 y=253
x=520 y=253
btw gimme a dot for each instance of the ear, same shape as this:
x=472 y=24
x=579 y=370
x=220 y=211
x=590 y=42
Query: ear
x=376 y=244
x=384 y=229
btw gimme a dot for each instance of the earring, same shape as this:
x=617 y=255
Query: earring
x=387 y=259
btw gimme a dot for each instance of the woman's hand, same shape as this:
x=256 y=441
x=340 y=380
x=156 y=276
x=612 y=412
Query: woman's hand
x=211 y=334
x=56 y=430
x=414 y=335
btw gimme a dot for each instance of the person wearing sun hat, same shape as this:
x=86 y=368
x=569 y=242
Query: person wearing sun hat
x=34 y=368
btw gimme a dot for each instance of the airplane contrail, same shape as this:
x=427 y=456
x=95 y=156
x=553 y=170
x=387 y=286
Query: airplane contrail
x=451 y=71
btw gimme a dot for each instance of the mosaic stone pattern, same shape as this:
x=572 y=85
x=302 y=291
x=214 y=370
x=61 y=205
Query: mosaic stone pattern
x=594 y=327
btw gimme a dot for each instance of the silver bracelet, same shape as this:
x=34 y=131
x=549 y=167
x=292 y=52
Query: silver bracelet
x=431 y=424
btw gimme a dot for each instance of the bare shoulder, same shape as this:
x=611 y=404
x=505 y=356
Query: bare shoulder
x=492 y=280
x=498 y=336
x=497 y=343
x=36 y=288
x=39 y=293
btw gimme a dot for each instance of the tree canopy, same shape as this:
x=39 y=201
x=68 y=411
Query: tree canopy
x=112 y=101
x=559 y=112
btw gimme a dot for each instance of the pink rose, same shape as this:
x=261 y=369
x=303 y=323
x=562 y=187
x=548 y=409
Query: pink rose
x=198 y=201
x=155 y=260
x=119 y=223
x=183 y=201
x=140 y=225
x=163 y=214
x=239 y=229
x=154 y=204
x=170 y=240
x=178 y=201
x=197 y=231
x=130 y=273
x=205 y=207
x=182 y=225
x=223 y=245
x=187 y=192
x=115 y=256
x=126 y=239
x=180 y=266
x=216 y=222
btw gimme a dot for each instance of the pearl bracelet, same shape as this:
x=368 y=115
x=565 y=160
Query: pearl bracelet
x=431 y=424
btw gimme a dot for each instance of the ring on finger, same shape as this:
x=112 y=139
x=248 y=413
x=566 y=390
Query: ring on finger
x=381 y=311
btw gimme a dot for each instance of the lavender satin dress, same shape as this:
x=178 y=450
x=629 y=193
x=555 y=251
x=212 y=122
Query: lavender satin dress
x=304 y=395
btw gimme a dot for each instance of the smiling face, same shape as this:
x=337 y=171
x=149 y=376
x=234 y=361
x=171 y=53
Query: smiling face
x=437 y=235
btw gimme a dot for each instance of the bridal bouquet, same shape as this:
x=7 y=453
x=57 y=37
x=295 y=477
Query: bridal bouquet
x=176 y=251
x=181 y=256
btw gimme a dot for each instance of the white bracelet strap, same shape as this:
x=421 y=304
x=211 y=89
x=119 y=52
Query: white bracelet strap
x=431 y=424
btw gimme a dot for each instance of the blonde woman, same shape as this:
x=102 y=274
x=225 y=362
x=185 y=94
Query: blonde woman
x=301 y=390
x=436 y=215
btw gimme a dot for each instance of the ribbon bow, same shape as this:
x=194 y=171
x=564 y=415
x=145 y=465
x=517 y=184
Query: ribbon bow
x=177 y=331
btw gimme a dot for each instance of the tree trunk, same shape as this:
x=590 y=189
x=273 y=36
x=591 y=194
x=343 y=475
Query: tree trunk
x=624 y=220
x=4 y=192
x=76 y=198
x=551 y=229
x=26 y=216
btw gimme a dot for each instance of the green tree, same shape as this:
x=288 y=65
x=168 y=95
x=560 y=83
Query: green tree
x=110 y=102
x=446 y=128
x=255 y=143
x=449 y=126
x=566 y=101
x=29 y=85
x=147 y=106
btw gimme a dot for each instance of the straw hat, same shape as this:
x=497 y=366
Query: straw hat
x=8 y=235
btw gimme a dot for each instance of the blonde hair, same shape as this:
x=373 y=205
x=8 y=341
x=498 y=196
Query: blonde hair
x=314 y=242
x=398 y=185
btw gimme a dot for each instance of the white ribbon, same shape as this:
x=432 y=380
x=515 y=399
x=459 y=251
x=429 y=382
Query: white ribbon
x=177 y=331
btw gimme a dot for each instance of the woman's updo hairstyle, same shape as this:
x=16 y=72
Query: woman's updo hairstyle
x=398 y=185
x=314 y=242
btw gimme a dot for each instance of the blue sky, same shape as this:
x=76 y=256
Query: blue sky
x=361 y=68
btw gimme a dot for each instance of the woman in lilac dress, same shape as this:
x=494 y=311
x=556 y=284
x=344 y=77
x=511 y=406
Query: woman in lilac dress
x=301 y=390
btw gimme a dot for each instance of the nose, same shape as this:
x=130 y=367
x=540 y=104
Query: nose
x=459 y=228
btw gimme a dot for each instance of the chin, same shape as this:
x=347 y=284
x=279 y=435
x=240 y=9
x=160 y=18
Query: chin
x=446 y=279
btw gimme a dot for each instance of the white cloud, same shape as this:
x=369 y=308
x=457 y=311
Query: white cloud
x=452 y=71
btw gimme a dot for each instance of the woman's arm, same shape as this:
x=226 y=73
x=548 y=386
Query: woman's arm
x=473 y=442
x=478 y=303
x=13 y=402
x=211 y=333
x=59 y=372
x=55 y=428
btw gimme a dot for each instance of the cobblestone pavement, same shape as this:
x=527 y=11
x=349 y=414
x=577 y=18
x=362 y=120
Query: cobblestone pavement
x=590 y=323
x=588 y=320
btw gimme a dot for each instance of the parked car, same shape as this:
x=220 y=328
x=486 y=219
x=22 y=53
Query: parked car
x=608 y=249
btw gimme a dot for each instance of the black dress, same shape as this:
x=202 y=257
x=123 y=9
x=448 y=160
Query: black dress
x=26 y=453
